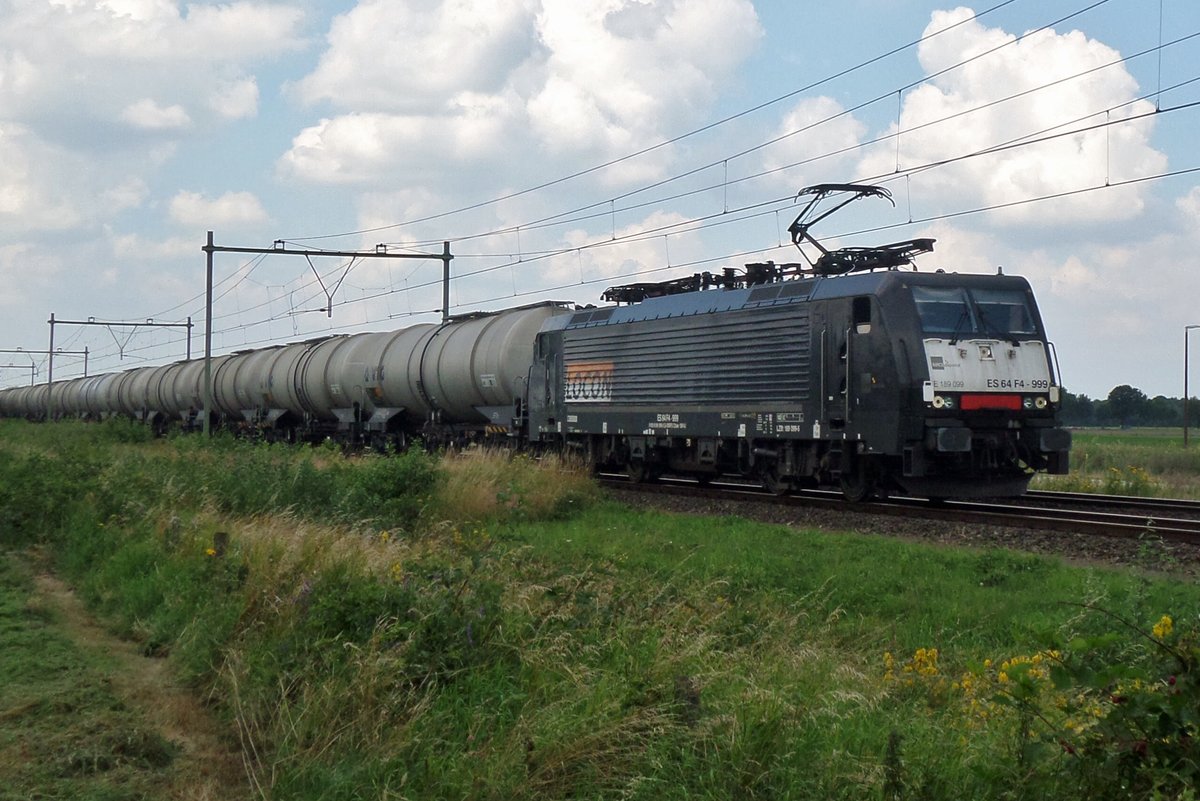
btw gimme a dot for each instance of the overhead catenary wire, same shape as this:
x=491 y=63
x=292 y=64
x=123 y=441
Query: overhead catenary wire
x=667 y=142
x=885 y=137
x=527 y=256
x=563 y=218
x=723 y=217
x=718 y=218
x=761 y=145
x=746 y=253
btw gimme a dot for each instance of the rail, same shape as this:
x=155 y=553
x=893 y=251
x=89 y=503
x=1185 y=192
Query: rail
x=1077 y=513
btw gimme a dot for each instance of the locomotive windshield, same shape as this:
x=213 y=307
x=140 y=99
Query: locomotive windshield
x=958 y=312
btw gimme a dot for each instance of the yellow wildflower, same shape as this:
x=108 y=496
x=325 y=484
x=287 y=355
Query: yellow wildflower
x=1163 y=627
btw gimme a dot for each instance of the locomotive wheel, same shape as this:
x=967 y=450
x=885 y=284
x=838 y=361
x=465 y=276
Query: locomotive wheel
x=858 y=483
x=774 y=483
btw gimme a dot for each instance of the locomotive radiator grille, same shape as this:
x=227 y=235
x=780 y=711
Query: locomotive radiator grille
x=761 y=357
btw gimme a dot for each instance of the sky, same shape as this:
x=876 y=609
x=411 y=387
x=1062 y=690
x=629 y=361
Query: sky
x=564 y=146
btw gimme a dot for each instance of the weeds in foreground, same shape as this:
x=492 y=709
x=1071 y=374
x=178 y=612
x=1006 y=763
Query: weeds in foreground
x=1119 y=717
x=483 y=484
x=457 y=646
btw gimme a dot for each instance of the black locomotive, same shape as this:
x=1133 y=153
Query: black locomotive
x=855 y=374
x=936 y=384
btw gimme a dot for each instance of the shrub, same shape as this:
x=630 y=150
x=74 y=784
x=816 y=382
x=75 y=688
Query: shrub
x=388 y=491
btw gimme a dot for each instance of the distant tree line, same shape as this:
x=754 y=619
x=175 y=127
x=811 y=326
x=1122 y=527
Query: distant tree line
x=1127 y=406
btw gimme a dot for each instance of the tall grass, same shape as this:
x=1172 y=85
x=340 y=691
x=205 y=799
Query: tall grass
x=486 y=484
x=488 y=627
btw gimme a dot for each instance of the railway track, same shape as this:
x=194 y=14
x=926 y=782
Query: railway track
x=1076 y=513
x=1165 y=505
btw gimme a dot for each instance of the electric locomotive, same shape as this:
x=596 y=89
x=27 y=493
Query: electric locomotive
x=852 y=374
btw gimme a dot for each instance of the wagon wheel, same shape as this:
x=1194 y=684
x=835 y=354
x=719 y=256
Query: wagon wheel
x=640 y=472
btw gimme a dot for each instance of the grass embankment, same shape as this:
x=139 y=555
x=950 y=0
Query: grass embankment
x=63 y=731
x=480 y=628
x=1149 y=462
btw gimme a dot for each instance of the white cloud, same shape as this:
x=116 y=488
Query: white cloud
x=408 y=57
x=236 y=99
x=1189 y=206
x=25 y=271
x=127 y=195
x=962 y=250
x=808 y=137
x=96 y=96
x=363 y=148
x=950 y=117
x=540 y=81
x=1074 y=278
x=619 y=72
x=145 y=113
x=635 y=249
x=27 y=200
x=229 y=210
x=99 y=62
x=134 y=248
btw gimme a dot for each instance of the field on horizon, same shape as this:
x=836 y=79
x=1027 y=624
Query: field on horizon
x=1133 y=461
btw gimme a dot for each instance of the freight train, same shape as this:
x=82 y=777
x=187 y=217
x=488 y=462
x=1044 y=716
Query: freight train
x=847 y=372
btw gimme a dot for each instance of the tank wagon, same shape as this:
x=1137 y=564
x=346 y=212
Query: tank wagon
x=847 y=372
x=445 y=383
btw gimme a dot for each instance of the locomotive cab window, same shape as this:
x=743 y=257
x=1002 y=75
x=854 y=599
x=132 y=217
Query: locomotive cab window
x=1004 y=311
x=944 y=311
x=957 y=312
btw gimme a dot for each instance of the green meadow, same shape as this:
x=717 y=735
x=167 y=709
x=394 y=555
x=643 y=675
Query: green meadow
x=480 y=626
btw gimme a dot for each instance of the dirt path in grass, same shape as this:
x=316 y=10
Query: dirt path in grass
x=208 y=767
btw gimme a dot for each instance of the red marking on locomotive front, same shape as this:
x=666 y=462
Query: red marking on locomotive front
x=974 y=402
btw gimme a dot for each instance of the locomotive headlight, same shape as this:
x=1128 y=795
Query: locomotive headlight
x=1027 y=403
x=938 y=402
x=948 y=403
x=1041 y=403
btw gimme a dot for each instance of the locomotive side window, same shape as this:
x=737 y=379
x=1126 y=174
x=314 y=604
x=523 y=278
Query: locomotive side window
x=944 y=311
x=1004 y=311
x=861 y=311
